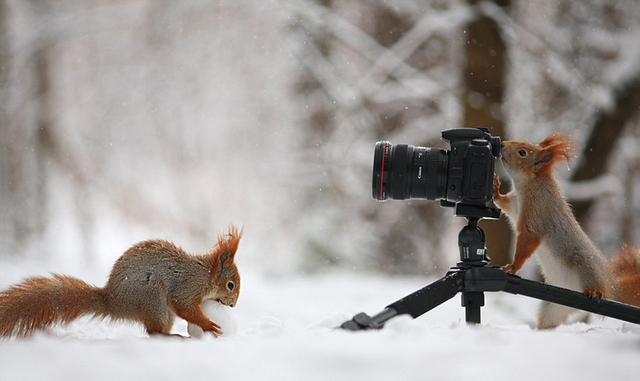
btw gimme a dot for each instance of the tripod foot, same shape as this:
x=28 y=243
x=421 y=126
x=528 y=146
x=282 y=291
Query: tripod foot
x=360 y=322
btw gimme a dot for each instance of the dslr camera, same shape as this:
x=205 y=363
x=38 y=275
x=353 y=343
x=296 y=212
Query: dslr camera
x=460 y=177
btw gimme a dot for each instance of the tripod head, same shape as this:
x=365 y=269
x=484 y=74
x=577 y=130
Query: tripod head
x=471 y=240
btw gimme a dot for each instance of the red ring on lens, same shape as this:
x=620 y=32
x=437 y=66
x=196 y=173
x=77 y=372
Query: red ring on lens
x=384 y=153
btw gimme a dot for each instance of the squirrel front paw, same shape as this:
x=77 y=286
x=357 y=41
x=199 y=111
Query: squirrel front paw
x=593 y=293
x=496 y=186
x=510 y=269
x=497 y=196
x=214 y=328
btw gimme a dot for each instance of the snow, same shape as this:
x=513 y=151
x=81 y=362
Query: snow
x=286 y=332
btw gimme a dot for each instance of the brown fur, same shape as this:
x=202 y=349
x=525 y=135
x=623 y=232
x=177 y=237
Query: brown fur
x=543 y=219
x=37 y=303
x=625 y=267
x=556 y=146
x=228 y=242
x=151 y=283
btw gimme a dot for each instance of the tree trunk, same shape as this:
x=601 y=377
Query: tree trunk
x=484 y=85
x=43 y=139
x=6 y=235
x=607 y=128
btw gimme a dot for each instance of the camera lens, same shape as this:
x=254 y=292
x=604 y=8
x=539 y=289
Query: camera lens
x=404 y=171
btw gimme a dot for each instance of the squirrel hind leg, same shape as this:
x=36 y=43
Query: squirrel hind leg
x=551 y=315
x=156 y=328
x=159 y=325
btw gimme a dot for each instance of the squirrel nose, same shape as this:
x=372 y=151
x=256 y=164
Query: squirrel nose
x=502 y=145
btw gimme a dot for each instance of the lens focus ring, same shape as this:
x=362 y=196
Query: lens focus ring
x=399 y=174
x=433 y=157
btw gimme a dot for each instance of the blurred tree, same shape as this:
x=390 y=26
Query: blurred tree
x=377 y=71
x=608 y=127
x=44 y=141
x=399 y=251
x=540 y=59
x=484 y=88
x=576 y=70
x=6 y=223
x=25 y=122
x=123 y=119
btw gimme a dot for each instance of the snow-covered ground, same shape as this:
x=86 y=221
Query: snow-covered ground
x=286 y=333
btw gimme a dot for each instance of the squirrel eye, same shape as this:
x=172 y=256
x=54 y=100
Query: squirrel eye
x=522 y=153
x=230 y=286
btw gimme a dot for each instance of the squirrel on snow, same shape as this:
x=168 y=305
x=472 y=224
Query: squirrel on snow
x=543 y=221
x=151 y=283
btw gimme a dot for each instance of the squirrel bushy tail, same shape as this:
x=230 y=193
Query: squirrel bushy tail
x=39 y=302
x=625 y=268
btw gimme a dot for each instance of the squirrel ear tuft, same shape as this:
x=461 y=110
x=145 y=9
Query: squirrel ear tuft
x=555 y=148
x=543 y=158
x=227 y=244
x=224 y=257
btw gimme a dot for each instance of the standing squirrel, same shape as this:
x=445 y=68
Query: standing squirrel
x=151 y=283
x=543 y=221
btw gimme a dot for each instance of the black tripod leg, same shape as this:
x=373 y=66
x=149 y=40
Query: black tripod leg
x=414 y=304
x=472 y=301
x=569 y=298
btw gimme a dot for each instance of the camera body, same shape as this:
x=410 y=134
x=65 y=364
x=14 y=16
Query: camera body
x=461 y=176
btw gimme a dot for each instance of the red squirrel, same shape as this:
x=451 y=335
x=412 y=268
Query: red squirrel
x=151 y=283
x=544 y=223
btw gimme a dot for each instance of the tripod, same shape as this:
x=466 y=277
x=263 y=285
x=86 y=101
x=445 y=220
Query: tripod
x=472 y=277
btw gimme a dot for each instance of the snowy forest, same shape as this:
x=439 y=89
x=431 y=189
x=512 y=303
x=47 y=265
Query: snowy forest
x=122 y=121
x=128 y=120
